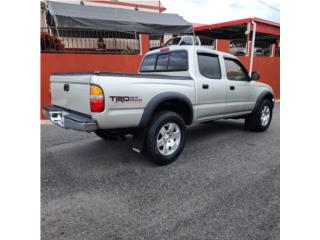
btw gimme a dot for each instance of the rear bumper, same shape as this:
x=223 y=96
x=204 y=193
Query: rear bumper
x=69 y=120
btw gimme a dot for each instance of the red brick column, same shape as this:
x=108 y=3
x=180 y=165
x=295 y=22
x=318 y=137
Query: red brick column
x=144 y=44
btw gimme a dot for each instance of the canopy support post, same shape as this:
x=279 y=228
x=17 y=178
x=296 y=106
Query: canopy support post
x=57 y=32
x=252 y=46
x=56 y=24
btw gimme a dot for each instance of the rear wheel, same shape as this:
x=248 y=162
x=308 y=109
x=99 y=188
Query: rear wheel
x=260 y=120
x=165 y=139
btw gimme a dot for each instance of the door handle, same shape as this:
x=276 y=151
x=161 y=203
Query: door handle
x=66 y=87
x=205 y=86
x=232 y=87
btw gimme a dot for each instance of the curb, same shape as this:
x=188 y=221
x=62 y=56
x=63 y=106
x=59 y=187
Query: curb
x=46 y=122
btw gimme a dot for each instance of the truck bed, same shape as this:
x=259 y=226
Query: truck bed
x=71 y=91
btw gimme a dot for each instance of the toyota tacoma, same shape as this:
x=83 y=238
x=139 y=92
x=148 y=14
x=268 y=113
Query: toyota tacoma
x=175 y=87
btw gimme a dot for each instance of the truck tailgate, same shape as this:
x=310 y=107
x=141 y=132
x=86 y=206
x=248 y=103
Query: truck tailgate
x=71 y=91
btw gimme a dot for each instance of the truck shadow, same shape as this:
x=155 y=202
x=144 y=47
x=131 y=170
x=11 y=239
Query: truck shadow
x=214 y=128
x=115 y=153
x=196 y=134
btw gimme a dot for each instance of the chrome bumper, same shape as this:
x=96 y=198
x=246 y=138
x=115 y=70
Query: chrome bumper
x=69 y=120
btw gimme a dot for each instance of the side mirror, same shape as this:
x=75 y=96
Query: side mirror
x=255 y=76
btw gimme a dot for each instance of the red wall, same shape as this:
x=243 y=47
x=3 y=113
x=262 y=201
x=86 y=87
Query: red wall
x=68 y=62
x=269 y=69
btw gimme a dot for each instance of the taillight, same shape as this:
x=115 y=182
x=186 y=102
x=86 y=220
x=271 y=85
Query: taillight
x=96 y=99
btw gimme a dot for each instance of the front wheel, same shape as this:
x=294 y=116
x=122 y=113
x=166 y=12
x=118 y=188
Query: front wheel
x=260 y=120
x=165 y=139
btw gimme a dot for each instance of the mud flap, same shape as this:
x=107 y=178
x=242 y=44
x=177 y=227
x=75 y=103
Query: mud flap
x=138 y=140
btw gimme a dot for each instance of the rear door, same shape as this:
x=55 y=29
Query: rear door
x=211 y=86
x=71 y=91
x=239 y=87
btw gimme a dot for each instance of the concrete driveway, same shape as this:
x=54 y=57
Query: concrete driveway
x=225 y=185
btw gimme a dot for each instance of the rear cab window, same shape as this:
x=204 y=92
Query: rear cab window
x=162 y=62
x=148 y=63
x=165 y=62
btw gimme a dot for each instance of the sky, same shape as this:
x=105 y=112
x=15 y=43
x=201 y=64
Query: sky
x=215 y=11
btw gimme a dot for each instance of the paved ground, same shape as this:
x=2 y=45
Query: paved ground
x=225 y=185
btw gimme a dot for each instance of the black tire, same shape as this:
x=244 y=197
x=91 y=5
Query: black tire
x=160 y=120
x=254 y=123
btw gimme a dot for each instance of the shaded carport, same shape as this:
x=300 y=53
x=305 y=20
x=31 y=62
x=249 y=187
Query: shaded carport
x=77 y=27
x=250 y=30
x=74 y=16
x=265 y=30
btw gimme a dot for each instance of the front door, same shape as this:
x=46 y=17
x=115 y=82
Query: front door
x=211 y=87
x=239 y=87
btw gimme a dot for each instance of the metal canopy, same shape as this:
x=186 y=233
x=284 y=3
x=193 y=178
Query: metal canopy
x=73 y=16
x=235 y=32
x=266 y=31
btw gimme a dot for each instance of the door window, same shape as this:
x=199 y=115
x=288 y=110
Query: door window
x=178 y=61
x=209 y=65
x=235 y=70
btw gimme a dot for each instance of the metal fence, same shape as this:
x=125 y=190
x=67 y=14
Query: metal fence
x=157 y=41
x=89 y=41
x=95 y=41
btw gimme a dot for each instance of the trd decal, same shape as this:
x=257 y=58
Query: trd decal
x=123 y=99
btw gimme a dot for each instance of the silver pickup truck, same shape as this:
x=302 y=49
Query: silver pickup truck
x=176 y=87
